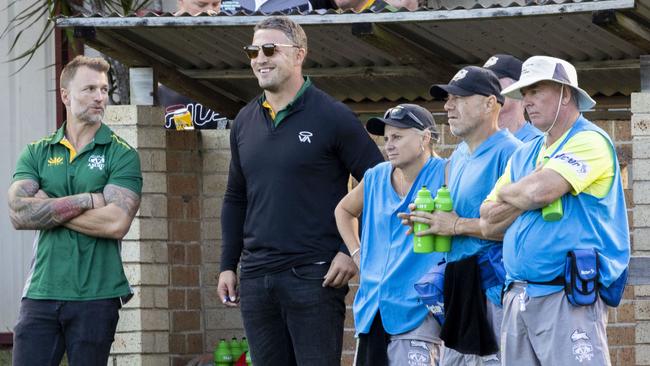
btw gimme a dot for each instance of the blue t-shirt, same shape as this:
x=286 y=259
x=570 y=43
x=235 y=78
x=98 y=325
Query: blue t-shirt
x=527 y=132
x=389 y=267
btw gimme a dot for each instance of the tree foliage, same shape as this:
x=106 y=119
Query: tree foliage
x=31 y=15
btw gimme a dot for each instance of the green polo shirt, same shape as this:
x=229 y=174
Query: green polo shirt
x=69 y=265
x=280 y=115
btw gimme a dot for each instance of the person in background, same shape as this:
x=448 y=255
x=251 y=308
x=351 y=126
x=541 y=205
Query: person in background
x=196 y=7
x=508 y=70
x=473 y=102
x=293 y=149
x=392 y=324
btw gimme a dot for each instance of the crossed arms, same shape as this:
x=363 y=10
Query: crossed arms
x=108 y=214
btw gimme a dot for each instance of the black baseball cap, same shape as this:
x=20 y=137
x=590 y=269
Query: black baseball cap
x=470 y=80
x=403 y=116
x=505 y=66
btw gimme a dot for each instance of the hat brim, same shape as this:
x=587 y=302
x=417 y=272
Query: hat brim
x=441 y=91
x=585 y=102
x=376 y=125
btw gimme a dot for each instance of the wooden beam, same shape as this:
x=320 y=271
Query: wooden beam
x=645 y=73
x=405 y=50
x=114 y=45
x=625 y=27
x=317 y=72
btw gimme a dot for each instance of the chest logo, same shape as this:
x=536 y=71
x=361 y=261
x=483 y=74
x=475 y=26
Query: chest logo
x=96 y=162
x=54 y=161
x=305 y=136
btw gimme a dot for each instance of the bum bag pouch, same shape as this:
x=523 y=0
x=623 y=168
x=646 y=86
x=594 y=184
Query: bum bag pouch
x=430 y=289
x=581 y=277
x=612 y=295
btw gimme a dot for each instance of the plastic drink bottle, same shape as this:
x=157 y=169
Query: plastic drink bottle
x=554 y=211
x=423 y=202
x=222 y=355
x=244 y=344
x=235 y=349
x=442 y=243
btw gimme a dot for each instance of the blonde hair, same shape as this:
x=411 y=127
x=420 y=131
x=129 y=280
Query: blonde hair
x=93 y=63
x=291 y=29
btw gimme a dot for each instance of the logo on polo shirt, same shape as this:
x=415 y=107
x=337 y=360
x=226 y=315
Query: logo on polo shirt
x=304 y=136
x=459 y=75
x=54 y=161
x=491 y=61
x=96 y=162
x=579 y=166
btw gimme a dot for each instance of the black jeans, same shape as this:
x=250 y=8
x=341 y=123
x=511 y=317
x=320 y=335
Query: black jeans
x=48 y=328
x=291 y=319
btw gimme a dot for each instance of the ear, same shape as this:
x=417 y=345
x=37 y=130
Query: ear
x=490 y=102
x=567 y=95
x=300 y=56
x=65 y=97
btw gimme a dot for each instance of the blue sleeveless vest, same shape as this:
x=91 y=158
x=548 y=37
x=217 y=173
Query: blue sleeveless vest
x=535 y=250
x=389 y=268
x=471 y=178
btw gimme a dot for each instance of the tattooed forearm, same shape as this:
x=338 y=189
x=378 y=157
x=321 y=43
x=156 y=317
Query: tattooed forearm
x=123 y=198
x=29 y=213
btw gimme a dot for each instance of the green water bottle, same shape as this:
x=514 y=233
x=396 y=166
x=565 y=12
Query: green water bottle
x=222 y=355
x=249 y=362
x=442 y=243
x=554 y=211
x=423 y=202
x=244 y=344
x=235 y=349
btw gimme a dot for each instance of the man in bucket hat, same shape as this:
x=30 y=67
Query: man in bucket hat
x=473 y=101
x=573 y=166
x=508 y=70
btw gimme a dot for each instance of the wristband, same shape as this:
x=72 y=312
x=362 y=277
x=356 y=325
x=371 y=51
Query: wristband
x=355 y=252
x=92 y=201
x=456 y=222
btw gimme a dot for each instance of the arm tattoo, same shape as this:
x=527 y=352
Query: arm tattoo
x=29 y=213
x=123 y=198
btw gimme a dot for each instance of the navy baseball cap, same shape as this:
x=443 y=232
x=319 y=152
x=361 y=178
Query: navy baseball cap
x=403 y=116
x=505 y=66
x=470 y=80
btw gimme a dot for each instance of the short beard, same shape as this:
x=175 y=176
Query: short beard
x=89 y=118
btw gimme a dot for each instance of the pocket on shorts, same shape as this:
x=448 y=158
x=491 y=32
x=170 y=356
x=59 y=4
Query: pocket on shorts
x=311 y=272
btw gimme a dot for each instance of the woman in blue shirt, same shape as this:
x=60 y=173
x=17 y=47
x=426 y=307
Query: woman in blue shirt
x=393 y=327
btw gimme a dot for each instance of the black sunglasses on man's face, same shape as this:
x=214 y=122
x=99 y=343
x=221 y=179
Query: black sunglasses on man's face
x=252 y=51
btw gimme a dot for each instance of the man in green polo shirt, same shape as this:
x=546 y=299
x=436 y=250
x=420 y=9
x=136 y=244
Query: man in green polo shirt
x=80 y=189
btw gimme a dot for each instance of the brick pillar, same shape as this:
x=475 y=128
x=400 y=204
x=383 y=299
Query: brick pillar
x=641 y=218
x=143 y=330
x=219 y=321
x=184 y=245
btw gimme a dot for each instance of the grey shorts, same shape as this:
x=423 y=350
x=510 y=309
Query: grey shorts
x=451 y=357
x=419 y=347
x=548 y=330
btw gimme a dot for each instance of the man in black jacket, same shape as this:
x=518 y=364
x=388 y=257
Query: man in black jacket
x=293 y=149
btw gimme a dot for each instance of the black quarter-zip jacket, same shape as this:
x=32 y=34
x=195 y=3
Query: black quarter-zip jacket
x=285 y=181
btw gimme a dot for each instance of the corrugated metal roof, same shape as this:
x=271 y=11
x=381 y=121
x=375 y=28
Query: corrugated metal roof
x=364 y=57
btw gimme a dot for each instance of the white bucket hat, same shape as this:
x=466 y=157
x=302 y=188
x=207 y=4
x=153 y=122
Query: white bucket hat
x=539 y=68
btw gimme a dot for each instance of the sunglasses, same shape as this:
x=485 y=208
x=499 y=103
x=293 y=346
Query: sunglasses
x=399 y=113
x=252 y=51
